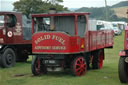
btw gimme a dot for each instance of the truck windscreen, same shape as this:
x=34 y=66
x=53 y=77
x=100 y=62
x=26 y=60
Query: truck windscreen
x=57 y=23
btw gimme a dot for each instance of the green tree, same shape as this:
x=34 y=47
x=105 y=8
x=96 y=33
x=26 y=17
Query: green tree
x=28 y=7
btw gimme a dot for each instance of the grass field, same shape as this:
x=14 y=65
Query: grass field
x=108 y=75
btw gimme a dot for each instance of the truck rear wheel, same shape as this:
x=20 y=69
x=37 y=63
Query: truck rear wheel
x=8 y=58
x=79 y=66
x=97 y=62
x=123 y=70
x=37 y=67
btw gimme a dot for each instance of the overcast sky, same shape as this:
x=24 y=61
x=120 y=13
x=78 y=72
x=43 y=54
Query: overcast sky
x=89 y=3
x=7 y=5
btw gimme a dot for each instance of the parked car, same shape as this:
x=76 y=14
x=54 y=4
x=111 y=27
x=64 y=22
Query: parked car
x=116 y=29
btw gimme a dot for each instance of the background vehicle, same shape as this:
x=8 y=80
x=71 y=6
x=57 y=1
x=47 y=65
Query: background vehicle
x=67 y=43
x=105 y=25
x=120 y=24
x=123 y=61
x=15 y=38
x=116 y=29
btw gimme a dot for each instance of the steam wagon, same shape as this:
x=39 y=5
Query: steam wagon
x=123 y=61
x=67 y=41
x=15 y=38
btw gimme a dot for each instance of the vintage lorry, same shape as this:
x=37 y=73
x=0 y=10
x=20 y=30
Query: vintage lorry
x=67 y=41
x=123 y=61
x=15 y=38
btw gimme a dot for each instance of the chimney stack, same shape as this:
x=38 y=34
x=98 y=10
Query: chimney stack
x=52 y=24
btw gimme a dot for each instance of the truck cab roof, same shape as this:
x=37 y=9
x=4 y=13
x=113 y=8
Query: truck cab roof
x=61 y=14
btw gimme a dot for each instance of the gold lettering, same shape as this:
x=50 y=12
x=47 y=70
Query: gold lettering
x=53 y=37
x=58 y=47
x=47 y=37
x=42 y=47
x=41 y=38
x=59 y=39
x=50 y=47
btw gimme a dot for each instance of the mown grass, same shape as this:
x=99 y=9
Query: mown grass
x=108 y=75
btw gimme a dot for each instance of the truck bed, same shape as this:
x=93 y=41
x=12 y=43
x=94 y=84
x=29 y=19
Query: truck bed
x=100 y=39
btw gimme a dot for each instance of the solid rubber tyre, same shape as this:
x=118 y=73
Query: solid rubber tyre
x=0 y=60
x=123 y=70
x=38 y=67
x=79 y=66
x=8 y=58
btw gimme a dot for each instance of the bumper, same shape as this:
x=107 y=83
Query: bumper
x=117 y=33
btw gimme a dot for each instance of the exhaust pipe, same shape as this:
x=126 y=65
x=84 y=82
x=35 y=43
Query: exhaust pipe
x=52 y=22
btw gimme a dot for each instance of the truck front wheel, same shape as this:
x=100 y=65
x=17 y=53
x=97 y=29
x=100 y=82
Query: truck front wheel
x=79 y=66
x=37 y=67
x=123 y=70
x=8 y=58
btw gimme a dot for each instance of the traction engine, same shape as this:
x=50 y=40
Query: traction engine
x=63 y=41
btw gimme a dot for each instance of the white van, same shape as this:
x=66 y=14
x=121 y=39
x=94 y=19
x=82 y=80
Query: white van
x=105 y=25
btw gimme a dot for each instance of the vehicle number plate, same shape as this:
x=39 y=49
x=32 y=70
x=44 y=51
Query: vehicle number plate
x=50 y=61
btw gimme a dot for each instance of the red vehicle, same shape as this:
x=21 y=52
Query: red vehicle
x=15 y=38
x=66 y=41
x=123 y=61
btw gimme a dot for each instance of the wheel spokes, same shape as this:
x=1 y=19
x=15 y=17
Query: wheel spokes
x=80 y=66
x=81 y=72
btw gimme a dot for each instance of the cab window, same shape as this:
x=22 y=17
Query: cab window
x=42 y=24
x=10 y=20
x=81 y=25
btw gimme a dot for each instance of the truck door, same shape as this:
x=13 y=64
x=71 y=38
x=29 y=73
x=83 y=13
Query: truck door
x=10 y=20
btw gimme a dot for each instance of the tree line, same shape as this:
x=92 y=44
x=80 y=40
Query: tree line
x=28 y=7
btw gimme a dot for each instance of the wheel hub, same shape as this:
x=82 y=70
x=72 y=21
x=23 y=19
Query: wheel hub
x=9 y=58
x=82 y=66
